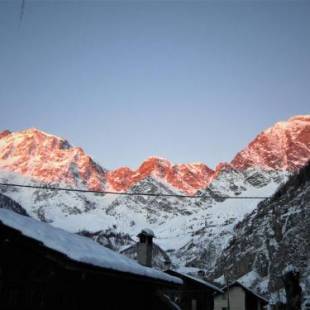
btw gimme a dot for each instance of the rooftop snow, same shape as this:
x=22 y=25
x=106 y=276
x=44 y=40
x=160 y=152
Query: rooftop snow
x=79 y=248
x=205 y=283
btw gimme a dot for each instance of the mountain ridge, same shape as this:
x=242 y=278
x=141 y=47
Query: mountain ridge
x=51 y=159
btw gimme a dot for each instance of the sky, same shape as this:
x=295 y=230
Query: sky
x=191 y=81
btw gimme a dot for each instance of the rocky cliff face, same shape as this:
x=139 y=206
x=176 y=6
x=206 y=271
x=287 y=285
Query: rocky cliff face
x=8 y=203
x=273 y=237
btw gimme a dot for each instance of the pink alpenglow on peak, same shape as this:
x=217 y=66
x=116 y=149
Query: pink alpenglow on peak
x=285 y=146
x=49 y=159
x=4 y=133
x=187 y=178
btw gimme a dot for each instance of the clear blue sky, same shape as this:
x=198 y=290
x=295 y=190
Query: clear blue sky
x=185 y=80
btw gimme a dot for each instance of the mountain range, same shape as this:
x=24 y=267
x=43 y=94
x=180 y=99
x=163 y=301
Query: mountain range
x=193 y=231
x=51 y=159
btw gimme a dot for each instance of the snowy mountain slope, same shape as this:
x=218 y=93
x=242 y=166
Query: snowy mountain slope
x=192 y=231
x=218 y=217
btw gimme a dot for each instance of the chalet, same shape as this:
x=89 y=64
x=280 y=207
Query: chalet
x=42 y=267
x=195 y=294
x=236 y=296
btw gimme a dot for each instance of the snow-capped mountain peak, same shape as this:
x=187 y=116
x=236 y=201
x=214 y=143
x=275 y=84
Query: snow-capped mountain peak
x=187 y=178
x=50 y=159
x=284 y=146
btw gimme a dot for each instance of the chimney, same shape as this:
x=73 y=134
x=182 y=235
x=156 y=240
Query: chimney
x=145 y=247
x=167 y=264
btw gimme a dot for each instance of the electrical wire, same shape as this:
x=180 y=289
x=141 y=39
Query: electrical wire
x=127 y=193
x=22 y=11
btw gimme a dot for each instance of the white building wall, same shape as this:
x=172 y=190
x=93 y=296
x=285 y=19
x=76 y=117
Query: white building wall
x=236 y=298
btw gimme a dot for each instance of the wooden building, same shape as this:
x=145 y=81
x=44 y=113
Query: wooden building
x=42 y=267
x=238 y=297
x=195 y=294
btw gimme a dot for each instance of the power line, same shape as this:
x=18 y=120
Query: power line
x=22 y=10
x=124 y=193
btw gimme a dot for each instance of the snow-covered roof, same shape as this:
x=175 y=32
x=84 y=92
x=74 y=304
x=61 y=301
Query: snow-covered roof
x=79 y=248
x=205 y=283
